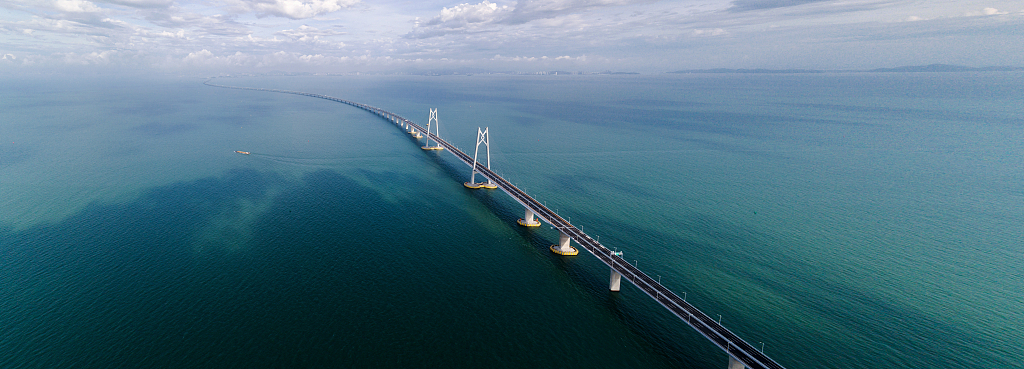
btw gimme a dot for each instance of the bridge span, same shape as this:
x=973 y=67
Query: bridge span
x=741 y=354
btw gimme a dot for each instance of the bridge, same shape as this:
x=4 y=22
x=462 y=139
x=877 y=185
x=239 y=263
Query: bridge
x=741 y=354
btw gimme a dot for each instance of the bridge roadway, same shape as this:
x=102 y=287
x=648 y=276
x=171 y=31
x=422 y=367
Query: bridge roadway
x=702 y=323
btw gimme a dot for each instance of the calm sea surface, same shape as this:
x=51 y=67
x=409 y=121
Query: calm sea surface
x=844 y=220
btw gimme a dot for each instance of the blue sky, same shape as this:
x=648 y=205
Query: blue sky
x=649 y=36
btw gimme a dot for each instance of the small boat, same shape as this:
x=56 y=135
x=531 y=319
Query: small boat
x=242 y=152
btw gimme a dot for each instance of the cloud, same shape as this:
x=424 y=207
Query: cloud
x=216 y=25
x=486 y=16
x=307 y=33
x=312 y=36
x=459 y=19
x=204 y=59
x=463 y=14
x=143 y=4
x=57 y=26
x=986 y=11
x=294 y=9
x=535 y=58
x=75 y=6
x=199 y=57
x=746 y=5
x=529 y=10
x=105 y=57
x=710 y=32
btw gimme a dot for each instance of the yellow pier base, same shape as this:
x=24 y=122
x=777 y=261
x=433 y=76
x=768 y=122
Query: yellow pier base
x=480 y=185
x=525 y=224
x=574 y=251
x=432 y=147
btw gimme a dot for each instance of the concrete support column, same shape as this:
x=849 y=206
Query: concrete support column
x=563 y=243
x=616 y=279
x=735 y=364
x=563 y=248
x=528 y=220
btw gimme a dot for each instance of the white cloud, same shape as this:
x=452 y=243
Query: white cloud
x=94 y=58
x=462 y=14
x=180 y=34
x=75 y=6
x=313 y=36
x=991 y=11
x=487 y=16
x=535 y=58
x=528 y=10
x=710 y=32
x=986 y=11
x=294 y=9
x=212 y=26
x=142 y=3
x=460 y=19
x=8 y=57
x=199 y=57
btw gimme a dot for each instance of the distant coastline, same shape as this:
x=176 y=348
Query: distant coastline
x=904 y=69
x=932 y=68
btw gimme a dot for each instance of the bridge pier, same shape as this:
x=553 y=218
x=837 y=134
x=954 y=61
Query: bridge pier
x=563 y=247
x=527 y=220
x=616 y=279
x=735 y=364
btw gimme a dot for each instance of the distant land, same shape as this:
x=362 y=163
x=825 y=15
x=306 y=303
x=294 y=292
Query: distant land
x=905 y=69
x=471 y=71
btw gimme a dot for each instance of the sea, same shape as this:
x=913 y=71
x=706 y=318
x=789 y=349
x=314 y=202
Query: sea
x=832 y=220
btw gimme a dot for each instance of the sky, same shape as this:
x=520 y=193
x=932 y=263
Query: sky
x=646 y=36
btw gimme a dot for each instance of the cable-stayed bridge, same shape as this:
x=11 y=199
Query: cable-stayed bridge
x=741 y=354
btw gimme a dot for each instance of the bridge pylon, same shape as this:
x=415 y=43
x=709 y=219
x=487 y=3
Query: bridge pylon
x=482 y=137
x=437 y=132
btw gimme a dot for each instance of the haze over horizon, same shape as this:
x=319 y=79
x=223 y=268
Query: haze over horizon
x=339 y=36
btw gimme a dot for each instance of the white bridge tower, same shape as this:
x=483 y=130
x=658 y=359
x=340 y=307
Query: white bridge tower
x=482 y=137
x=437 y=132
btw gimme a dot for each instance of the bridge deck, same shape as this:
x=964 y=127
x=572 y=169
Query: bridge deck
x=702 y=323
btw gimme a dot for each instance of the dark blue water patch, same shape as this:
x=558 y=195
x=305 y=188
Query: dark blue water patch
x=109 y=286
x=333 y=275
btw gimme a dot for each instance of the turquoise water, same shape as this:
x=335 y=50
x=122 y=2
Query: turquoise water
x=845 y=220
